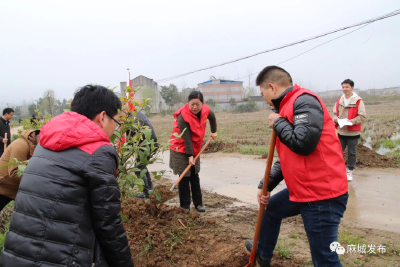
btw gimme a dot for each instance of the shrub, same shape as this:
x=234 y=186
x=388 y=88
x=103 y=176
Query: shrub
x=250 y=106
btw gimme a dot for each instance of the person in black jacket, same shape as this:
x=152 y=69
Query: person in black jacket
x=5 y=128
x=148 y=185
x=66 y=211
x=311 y=163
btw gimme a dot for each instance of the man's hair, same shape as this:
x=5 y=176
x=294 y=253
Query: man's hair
x=7 y=111
x=274 y=74
x=349 y=82
x=90 y=100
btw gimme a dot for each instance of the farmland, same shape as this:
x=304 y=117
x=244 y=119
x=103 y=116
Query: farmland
x=250 y=133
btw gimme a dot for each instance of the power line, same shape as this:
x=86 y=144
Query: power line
x=310 y=49
x=369 y=21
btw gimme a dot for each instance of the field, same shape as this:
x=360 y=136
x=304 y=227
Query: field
x=249 y=133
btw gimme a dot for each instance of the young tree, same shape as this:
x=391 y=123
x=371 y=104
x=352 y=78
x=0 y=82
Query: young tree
x=31 y=109
x=210 y=102
x=170 y=94
x=232 y=102
x=49 y=101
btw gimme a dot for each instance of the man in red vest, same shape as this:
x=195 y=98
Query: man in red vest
x=350 y=108
x=311 y=163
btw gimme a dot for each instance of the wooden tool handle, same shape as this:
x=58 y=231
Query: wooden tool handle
x=5 y=144
x=267 y=173
x=190 y=165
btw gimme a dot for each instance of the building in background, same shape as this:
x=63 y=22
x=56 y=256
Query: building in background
x=221 y=91
x=149 y=89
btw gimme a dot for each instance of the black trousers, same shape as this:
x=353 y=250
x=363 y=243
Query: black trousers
x=184 y=190
x=4 y=201
x=351 y=143
x=148 y=185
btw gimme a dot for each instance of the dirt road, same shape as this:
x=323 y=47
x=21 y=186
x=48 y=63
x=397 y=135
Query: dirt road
x=15 y=130
x=373 y=195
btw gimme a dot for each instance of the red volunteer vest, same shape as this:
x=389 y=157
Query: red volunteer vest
x=320 y=175
x=198 y=129
x=353 y=112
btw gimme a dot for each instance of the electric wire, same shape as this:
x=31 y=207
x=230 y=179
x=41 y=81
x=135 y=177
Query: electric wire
x=367 y=22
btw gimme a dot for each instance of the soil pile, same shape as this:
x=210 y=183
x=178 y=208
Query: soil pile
x=216 y=146
x=369 y=158
x=162 y=235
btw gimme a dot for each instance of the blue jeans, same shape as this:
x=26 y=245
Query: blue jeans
x=321 y=222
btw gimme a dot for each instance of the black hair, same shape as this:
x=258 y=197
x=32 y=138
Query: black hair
x=274 y=74
x=90 y=100
x=349 y=82
x=7 y=111
x=196 y=95
x=37 y=132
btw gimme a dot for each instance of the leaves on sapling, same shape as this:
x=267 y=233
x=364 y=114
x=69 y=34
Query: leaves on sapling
x=124 y=218
x=142 y=173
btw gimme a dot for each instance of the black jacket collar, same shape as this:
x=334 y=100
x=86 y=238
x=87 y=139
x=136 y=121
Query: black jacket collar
x=277 y=101
x=5 y=122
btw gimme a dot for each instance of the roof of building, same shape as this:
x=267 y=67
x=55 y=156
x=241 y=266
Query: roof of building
x=222 y=81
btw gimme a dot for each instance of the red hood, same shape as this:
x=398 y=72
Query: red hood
x=71 y=129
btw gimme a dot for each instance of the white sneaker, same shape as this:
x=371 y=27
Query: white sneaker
x=349 y=175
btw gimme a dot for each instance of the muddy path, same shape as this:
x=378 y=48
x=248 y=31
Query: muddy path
x=165 y=235
x=373 y=200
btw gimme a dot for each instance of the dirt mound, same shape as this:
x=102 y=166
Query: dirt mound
x=369 y=158
x=216 y=146
x=161 y=235
x=164 y=193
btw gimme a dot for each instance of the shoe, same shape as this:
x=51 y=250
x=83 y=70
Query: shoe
x=201 y=208
x=142 y=195
x=185 y=208
x=349 y=175
x=260 y=262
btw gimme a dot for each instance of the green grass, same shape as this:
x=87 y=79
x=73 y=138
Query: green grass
x=346 y=238
x=294 y=236
x=284 y=247
x=388 y=143
x=253 y=149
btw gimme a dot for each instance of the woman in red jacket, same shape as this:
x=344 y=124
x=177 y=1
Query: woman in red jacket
x=191 y=120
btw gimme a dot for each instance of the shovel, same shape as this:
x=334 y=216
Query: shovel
x=190 y=165
x=252 y=261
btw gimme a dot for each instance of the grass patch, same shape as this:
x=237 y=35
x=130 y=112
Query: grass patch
x=284 y=247
x=294 y=236
x=253 y=149
x=388 y=143
x=346 y=238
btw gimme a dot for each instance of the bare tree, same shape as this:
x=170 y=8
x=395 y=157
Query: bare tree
x=49 y=101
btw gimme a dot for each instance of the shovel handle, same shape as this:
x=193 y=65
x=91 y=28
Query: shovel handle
x=5 y=144
x=267 y=173
x=190 y=165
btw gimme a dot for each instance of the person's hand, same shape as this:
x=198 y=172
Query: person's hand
x=192 y=161
x=5 y=140
x=272 y=118
x=213 y=135
x=335 y=120
x=263 y=199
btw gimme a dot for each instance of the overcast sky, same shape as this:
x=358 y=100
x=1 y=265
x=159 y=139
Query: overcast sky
x=65 y=45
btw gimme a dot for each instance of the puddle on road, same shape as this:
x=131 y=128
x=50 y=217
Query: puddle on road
x=373 y=199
